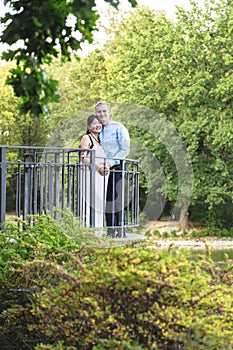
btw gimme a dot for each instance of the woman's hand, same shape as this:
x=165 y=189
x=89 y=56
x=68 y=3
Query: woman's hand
x=103 y=169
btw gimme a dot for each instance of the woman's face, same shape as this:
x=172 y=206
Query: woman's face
x=95 y=126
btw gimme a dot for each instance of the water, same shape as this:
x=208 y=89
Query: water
x=220 y=255
x=217 y=255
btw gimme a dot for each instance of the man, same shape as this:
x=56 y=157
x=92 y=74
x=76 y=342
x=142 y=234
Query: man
x=115 y=141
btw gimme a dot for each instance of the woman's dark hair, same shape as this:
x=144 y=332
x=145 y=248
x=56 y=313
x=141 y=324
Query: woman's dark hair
x=90 y=120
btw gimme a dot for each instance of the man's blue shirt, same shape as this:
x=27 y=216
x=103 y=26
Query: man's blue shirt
x=115 y=141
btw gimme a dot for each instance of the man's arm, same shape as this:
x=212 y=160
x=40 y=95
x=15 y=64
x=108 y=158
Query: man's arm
x=124 y=142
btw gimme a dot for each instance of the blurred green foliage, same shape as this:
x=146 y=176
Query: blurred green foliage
x=62 y=295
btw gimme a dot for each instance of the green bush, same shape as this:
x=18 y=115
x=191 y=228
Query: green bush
x=130 y=297
x=215 y=232
x=136 y=297
x=45 y=241
x=220 y=216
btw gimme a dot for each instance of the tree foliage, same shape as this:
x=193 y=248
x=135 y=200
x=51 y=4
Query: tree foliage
x=182 y=70
x=60 y=294
x=178 y=71
x=16 y=129
x=44 y=32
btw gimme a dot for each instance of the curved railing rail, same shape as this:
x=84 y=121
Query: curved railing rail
x=47 y=180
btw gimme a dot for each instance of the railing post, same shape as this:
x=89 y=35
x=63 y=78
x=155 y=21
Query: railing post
x=57 y=185
x=122 y=193
x=50 y=188
x=137 y=197
x=35 y=183
x=92 y=188
x=3 y=173
x=27 y=188
x=18 y=189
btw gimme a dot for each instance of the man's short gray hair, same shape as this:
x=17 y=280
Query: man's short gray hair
x=102 y=103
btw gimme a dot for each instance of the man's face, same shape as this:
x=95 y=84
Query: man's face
x=103 y=113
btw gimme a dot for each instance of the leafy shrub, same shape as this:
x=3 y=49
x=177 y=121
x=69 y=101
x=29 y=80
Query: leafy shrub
x=215 y=232
x=165 y=234
x=45 y=241
x=173 y=234
x=220 y=216
x=130 y=297
x=137 y=297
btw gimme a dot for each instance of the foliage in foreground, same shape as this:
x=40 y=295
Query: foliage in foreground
x=114 y=297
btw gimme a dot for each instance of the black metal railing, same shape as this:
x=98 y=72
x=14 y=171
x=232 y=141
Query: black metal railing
x=46 y=180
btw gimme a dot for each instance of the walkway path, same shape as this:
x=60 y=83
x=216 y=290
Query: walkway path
x=165 y=226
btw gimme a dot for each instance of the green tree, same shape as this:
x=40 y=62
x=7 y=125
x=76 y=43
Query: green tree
x=46 y=33
x=184 y=71
x=79 y=85
x=79 y=88
x=202 y=86
x=137 y=61
x=17 y=129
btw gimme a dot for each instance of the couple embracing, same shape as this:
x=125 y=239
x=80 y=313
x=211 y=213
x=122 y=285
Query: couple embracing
x=111 y=142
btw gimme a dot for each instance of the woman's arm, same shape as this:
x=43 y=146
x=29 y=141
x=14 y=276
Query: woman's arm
x=86 y=143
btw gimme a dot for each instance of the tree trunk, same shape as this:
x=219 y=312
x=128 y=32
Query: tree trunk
x=184 y=220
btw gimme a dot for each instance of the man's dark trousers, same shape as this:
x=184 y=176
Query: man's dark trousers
x=114 y=203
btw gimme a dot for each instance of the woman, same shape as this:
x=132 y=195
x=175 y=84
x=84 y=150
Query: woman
x=91 y=141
